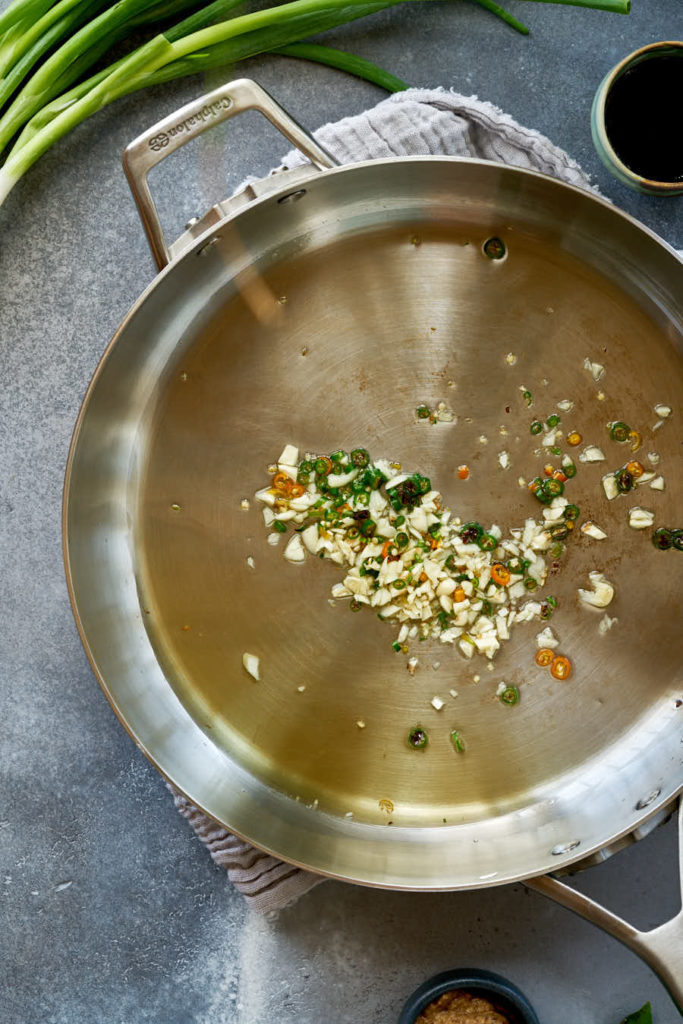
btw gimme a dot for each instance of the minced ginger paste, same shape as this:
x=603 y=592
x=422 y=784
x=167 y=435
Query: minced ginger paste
x=458 y=1007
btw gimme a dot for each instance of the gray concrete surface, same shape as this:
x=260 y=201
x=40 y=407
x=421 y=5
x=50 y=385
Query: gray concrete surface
x=111 y=911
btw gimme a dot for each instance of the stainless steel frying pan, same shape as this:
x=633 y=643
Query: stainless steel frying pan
x=319 y=307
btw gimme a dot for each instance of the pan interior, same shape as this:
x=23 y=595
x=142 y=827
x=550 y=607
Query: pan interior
x=334 y=348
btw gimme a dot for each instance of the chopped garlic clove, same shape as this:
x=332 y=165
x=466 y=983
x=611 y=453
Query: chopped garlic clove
x=653 y=458
x=504 y=460
x=591 y=453
x=546 y=638
x=602 y=593
x=251 y=663
x=437 y=703
x=593 y=530
x=565 y=405
x=609 y=485
x=640 y=518
x=663 y=411
x=606 y=624
x=658 y=483
x=290 y=455
x=596 y=370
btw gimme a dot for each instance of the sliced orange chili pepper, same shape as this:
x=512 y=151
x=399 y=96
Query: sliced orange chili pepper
x=548 y=470
x=463 y=472
x=280 y=481
x=635 y=469
x=559 y=475
x=386 y=548
x=561 y=667
x=570 y=524
x=423 y=577
x=458 y=595
x=574 y=437
x=295 y=490
x=545 y=656
x=533 y=486
x=634 y=439
x=500 y=574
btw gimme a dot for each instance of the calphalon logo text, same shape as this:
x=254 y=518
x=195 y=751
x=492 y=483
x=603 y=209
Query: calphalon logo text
x=209 y=110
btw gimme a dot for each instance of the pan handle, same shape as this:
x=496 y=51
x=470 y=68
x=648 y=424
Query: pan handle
x=174 y=131
x=661 y=948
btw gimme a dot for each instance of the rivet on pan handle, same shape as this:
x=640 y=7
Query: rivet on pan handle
x=174 y=131
x=661 y=948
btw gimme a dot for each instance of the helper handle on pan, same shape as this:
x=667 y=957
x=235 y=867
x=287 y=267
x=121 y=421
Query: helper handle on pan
x=661 y=948
x=174 y=131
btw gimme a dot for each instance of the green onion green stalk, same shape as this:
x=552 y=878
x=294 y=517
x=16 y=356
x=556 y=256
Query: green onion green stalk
x=47 y=51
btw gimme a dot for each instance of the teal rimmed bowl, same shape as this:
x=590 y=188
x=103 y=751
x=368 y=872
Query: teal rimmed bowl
x=601 y=140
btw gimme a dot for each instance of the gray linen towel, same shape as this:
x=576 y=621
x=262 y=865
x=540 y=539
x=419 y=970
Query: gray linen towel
x=417 y=122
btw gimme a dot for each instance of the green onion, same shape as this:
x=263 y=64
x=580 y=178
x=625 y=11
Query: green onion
x=619 y=431
x=344 y=62
x=397 y=647
x=457 y=741
x=417 y=738
x=552 y=601
x=510 y=695
x=536 y=427
x=280 y=527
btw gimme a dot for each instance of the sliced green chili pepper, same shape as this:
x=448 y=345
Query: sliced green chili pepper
x=306 y=466
x=553 y=488
x=557 y=550
x=624 y=480
x=360 y=457
x=368 y=527
x=546 y=611
x=553 y=420
x=399 y=584
x=487 y=542
x=470 y=533
x=662 y=539
x=401 y=539
x=354 y=605
x=422 y=412
x=303 y=478
x=417 y=738
x=352 y=532
x=515 y=565
x=362 y=499
x=571 y=512
x=528 y=398
x=536 y=427
x=552 y=601
x=397 y=647
x=399 y=520
x=510 y=695
x=434 y=530
x=619 y=431
x=530 y=583
x=677 y=537
x=559 y=531
x=422 y=483
x=555 y=450
x=339 y=456
x=323 y=466
x=569 y=469
x=450 y=562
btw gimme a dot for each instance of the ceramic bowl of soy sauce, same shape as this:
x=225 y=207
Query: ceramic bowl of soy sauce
x=635 y=120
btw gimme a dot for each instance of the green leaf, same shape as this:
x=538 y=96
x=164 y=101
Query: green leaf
x=641 y=1016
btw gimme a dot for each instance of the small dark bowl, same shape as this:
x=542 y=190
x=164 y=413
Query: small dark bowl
x=505 y=996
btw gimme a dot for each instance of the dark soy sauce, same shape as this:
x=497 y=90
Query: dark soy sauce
x=644 y=118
